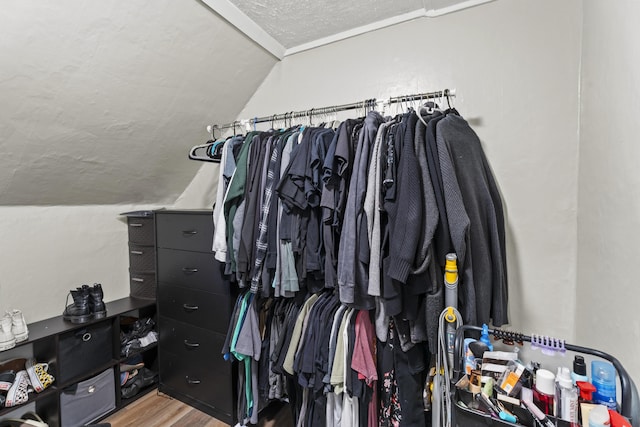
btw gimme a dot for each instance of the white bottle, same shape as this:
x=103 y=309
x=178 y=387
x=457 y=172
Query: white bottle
x=566 y=397
x=599 y=416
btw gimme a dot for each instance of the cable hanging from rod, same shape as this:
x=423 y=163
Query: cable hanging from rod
x=366 y=104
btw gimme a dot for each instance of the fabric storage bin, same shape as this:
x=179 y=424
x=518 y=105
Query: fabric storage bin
x=142 y=284
x=88 y=400
x=85 y=349
x=142 y=258
x=141 y=231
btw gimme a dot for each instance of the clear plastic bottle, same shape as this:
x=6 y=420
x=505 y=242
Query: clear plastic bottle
x=566 y=397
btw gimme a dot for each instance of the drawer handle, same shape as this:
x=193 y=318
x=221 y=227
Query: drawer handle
x=191 y=344
x=189 y=232
x=190 y=307
x=191 y=380
x=135 y=224
x=189 y=270
x=137 y=279
x=136 y=252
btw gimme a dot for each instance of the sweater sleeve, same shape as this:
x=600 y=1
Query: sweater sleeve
x=409 y=214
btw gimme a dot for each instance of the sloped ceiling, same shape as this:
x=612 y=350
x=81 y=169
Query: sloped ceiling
x=102 y=100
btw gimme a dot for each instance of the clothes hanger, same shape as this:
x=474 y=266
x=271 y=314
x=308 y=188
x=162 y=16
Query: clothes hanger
x=201 y=152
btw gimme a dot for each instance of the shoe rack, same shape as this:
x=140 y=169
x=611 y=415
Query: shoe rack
x=83 y=358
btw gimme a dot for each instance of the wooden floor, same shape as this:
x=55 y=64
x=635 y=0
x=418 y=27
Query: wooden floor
x=158 y=410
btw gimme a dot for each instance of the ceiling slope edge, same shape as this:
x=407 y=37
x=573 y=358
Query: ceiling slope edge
x=246 y=25
x=255 y=32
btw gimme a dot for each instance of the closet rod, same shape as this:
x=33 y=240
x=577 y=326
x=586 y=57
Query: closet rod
x=368 y=103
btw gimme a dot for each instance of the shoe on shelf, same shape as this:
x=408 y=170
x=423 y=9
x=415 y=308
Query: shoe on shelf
x=6 y=379
x=18 y=325
x=145 y=378
x=38 y=375
x=7 y=339
x=29 y=419
x=79 y=311
x=96 y=303
x=19 y=391
x=134 y=362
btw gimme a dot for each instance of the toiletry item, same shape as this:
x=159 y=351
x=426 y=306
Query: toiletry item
x=469 y=357
x=484 y=337
x=585 y=397
x=526 y=398
x=618 y=420
x=599 y=417
x=566 y=397
x=603 y=377
x=510 y=379
x=487 y=405
x=487 y=389
x=586 y=391
x=544 y=391
x=579 y=372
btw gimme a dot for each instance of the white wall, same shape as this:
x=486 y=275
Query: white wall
x=47 y=251
x=515 y=67
x=102 y=100
x=609 y=182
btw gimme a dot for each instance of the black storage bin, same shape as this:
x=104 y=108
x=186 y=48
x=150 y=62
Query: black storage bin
x=85 y=349
x=88 y=400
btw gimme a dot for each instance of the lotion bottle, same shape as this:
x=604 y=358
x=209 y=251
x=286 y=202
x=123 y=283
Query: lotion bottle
x=566 y=397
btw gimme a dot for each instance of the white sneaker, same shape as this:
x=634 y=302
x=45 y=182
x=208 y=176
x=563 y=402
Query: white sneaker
x=19 y=326
x=7 y=339
x=19 y=391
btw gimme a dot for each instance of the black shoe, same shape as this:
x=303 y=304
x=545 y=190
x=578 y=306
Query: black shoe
x=96 y=304
x=6 y=379
x=79 y=311
x=145 y=378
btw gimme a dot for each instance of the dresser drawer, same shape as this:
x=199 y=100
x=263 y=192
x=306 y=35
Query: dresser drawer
x=185 y=340
x=195 y=307
x=142 y=258
x=191 y=269
x=191 y=232
x=208 y=381
x=141 y=231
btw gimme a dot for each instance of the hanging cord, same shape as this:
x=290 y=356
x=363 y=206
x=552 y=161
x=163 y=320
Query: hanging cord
x=442 y=380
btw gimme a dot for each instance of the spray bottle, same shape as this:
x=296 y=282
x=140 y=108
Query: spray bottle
x=566 y=397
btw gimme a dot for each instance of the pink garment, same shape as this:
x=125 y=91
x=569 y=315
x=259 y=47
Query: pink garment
x=364 y=360
x=364 y=351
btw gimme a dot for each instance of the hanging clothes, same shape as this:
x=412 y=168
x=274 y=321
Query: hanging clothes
x=337 y=239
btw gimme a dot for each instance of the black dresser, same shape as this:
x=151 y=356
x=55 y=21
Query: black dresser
x=194 y=306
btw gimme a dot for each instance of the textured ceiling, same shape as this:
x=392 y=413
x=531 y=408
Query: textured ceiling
x=102 y=100
x=293 y=23
x=296 y=22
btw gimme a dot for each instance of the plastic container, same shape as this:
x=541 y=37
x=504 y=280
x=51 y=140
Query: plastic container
x=579 y=372
x=544 y=391
x=566 y=397
x=599 y=417
x=603 y=377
